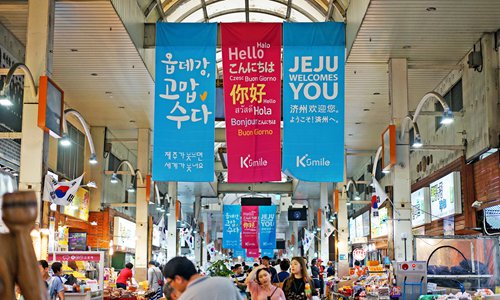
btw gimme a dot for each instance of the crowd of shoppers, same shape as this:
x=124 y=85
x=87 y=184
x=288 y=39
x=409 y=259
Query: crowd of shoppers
x=283 y=280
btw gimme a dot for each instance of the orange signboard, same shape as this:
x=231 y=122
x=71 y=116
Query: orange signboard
x=389 y=148
x=50 y=107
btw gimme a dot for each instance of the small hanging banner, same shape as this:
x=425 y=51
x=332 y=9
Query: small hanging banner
x=184 y=102
x=267 y=252
x=232 y=226
x=250 y=227
x=313 y=101
x=251 y=57
x=253 y=252
x=267 y=228
x=239 y=252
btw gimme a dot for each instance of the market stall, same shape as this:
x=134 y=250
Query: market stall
x=84 y=273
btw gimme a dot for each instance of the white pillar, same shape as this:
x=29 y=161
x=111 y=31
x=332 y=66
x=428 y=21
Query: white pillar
x=342 y=234
x=401 y=225
x=204 y=254
x=96 y=172
x=172 y=222
x=295 y=232
x=34 y=145
x=312 y=226
x=141 y=212
x=324 y=237
x=197 y=238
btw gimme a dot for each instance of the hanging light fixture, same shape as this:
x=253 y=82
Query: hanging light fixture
x=447 y=118
x=114 y=178
x=417 y=142
x=65 y=141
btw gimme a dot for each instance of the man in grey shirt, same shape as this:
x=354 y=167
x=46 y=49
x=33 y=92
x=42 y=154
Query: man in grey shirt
x=181 y=274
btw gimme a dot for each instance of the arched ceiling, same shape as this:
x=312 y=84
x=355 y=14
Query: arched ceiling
x=252 y=10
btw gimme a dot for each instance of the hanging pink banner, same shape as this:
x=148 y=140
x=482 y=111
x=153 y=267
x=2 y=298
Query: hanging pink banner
x=253 y=253
x=250 y=227
x=251 y=63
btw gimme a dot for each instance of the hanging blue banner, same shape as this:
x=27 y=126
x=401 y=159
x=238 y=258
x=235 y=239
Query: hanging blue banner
x=184 y=102
x=267 y=252
x=267 y=227
x=239 y=252
x=231 y=234
x=313 y=101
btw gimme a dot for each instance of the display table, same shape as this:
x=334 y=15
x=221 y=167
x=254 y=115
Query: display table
x=83 y=296
x=77 y=296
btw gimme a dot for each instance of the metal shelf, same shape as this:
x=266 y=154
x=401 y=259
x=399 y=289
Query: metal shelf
x=451 y=276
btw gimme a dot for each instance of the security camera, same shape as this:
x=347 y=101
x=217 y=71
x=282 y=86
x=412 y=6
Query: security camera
x=477 y=204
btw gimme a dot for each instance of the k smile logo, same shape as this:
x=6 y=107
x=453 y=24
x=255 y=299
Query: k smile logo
x=247 y=162
x=244 y=161
x=300 y=161
x=304 y=161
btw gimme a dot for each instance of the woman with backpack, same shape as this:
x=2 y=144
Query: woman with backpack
x=155 y=281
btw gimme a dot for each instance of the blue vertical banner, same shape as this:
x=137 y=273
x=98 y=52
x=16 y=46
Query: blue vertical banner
x=313 y=101
x=267 y=252
x=231 y=234
x=267 y=227
x=184 y=116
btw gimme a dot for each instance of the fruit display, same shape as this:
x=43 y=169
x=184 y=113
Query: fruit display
x=346 y=290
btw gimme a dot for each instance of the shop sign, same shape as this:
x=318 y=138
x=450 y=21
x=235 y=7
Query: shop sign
x=184 y=102
x=379 y=220
x=313 y=101
x=79 y=207
x=124 y=233
x=342 y=256
x=359 y=254
x=420 y=207
x=449 y=225
x=359 y=226
x=445 y=196
x=366 y=223
x=7 y=185
x=63 y=236
x=75 y=257
x=359 y=240
x=352 y=228
x=251 y=56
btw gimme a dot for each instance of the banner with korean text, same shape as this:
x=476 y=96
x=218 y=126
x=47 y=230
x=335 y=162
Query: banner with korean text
x=250 y=227
x=251 y=56
x=239 y=252
x=313 y=107
x=231 y=226
x=184 y=102
x=267 y=227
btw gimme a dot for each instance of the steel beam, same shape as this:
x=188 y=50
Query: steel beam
x=160 y=10
x=122 y=205
x=270 y=187
x=441 y=148
x=10 y=135
x=204 y=8
x=247 y=11
x=288 y=10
